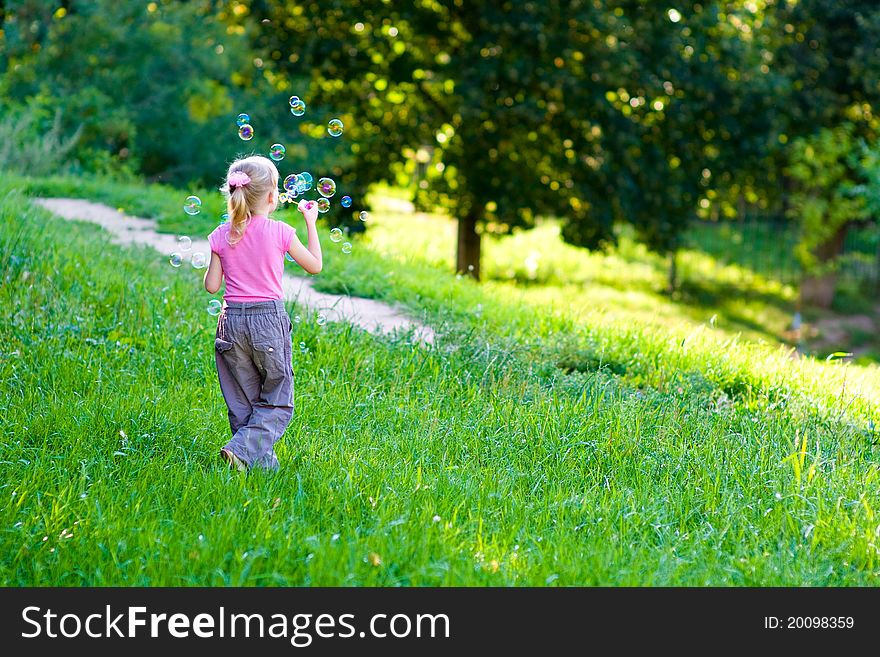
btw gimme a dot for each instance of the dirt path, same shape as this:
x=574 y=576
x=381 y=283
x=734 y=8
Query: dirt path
x=372 y=316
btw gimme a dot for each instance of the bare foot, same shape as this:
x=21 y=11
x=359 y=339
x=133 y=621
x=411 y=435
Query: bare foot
x=233 y=460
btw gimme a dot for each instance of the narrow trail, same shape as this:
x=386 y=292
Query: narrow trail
x=372 y=316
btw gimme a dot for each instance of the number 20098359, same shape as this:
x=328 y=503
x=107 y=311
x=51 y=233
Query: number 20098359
x=809 y=622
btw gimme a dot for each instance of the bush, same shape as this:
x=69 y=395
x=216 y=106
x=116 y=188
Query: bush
x=27 y=148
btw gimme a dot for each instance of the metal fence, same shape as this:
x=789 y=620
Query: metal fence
x=767 y=247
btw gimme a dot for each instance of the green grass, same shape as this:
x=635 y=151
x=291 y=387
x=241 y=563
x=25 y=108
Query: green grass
x=538 y=442
x=626 y=284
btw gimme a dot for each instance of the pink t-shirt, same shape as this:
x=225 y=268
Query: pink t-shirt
x=254 y=265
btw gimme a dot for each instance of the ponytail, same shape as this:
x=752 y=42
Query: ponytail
x=239 y=214
x=248 y=182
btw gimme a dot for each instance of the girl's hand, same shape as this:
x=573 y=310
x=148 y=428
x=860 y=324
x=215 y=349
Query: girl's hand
x=309 y=210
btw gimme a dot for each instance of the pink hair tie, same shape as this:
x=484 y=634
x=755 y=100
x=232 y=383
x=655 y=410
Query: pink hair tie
x=238 y=179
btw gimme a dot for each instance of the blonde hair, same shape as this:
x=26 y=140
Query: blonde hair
x=242 y=199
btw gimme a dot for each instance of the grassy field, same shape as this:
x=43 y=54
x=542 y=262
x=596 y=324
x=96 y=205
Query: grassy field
x=548 y=438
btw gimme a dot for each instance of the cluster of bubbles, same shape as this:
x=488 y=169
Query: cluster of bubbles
x=335 y=127
x=183 y=244
x=296 y=184
x=297 y=106
x=336 y=237
x=245 y=130
x=320 y=320
x=198 y=260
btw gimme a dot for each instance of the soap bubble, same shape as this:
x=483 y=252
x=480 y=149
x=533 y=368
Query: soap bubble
x=297 y=319
x=199 y=260
x=335 y=235
x=297 y=107
x=277 y=151
x=175 y=259
x=326 y=187
x=192 y=205
x=224 y=217
x=302 y=347
x=242 y=119
x=246 y=132
x=308 y=180
x=346 y=247
x=321 y=319
x=294 y=100
x=334 y=127
x=323 y=205
x=364 y=215
x=290 y=182
x=214 y=307
x=345 y=201
x=184 y=243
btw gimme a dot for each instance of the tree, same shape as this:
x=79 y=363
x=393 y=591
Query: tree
x=592 y=112
x=154 y=86
x=826 y=204
x=684 y=119
x=496 y=98
x=829 y=53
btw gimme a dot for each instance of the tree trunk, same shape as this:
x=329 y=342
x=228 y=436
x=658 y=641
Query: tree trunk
x=818 y=290
x=468 y=254
x=672 y=283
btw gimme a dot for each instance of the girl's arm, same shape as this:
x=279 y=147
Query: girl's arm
x=309 y=258
x=214 y=275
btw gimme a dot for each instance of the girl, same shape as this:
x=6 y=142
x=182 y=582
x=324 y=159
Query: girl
x=252 y=345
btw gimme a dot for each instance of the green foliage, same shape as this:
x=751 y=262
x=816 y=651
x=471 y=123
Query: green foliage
x=152 y=87
x=518 y=110
x=681 y=118
x=827 y=199
x=827 y=52
x=29 y=145
x=866 y=160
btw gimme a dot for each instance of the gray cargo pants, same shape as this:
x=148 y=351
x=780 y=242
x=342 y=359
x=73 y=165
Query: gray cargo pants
x=253 y=355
